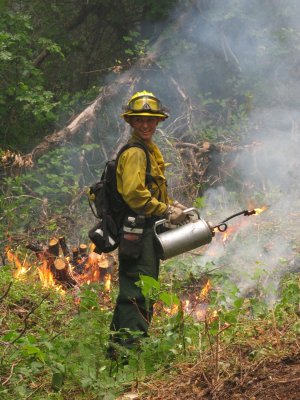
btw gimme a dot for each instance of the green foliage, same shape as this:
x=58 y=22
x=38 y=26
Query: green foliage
x=225 y=117
x=151 y=289
x=50 y=197
x=199 y=202
x=156 y=10
x=61 y=353
x=25 y=103
x=137 y=47
x=290 y=299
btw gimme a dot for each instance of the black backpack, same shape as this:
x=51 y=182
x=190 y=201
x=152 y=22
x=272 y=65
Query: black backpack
x=108 y=205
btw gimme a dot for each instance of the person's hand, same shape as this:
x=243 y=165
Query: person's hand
x=176 y=215
x=178 y=205
x=191 y=216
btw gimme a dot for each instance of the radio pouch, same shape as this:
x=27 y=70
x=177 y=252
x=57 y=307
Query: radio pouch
x=132 y=236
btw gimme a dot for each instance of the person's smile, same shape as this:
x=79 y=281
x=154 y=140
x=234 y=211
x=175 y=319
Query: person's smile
x=144 y=126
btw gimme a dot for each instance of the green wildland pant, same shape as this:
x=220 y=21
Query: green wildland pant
x=133 y=313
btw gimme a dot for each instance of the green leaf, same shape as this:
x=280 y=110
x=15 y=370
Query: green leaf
x=149 y=281
x=148 y=284
x=57 y=381
x=169 y=298
x=296 y=327
x=129 y=52
x=199 y=202
x=29 y=350
x=238 y=302
x=5 y=55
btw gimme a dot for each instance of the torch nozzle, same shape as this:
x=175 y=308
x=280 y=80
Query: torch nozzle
x=247 y=212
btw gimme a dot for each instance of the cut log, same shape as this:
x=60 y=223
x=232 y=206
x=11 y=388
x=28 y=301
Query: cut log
x=62 y=273
x=83 y=249
x=36 y=248
x=54 y=247
x=58 y=266
x=75 y=254
x=63 y=245
x=79 y=267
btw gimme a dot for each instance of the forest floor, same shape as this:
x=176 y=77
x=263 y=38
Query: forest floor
x=54 y=345
x=269 y=380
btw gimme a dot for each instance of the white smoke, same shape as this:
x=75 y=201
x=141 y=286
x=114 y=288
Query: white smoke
x=264 y=248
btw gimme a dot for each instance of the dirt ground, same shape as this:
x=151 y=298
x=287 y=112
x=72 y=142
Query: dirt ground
x=265 y=380
x=274 y=380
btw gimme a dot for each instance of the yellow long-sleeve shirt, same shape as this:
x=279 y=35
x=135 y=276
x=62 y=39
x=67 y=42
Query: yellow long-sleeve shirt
x=131 y=171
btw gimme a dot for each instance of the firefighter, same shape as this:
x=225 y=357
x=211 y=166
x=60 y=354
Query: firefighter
x=132 y=314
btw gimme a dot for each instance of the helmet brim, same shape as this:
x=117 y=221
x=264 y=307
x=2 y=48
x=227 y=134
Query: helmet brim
x=127 y=115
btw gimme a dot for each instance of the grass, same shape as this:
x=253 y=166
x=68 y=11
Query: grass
x=54 y=346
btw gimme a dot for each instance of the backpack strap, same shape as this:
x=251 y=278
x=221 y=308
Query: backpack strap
x=149 y=178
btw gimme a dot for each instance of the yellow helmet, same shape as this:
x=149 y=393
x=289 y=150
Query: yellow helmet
x=144 y=104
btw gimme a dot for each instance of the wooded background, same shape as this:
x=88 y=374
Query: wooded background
x=228 y=72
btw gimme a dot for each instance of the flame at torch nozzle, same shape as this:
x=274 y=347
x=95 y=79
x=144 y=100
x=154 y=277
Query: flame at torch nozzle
x=260 y=210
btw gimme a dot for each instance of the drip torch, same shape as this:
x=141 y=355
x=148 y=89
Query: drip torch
x=191 y=235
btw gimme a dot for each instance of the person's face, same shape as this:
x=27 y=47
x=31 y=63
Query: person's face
x=144 y=127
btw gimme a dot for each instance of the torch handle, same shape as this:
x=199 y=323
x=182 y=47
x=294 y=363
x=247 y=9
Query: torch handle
x=187 y=211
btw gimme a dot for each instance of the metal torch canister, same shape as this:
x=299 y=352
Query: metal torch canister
x=184 y=237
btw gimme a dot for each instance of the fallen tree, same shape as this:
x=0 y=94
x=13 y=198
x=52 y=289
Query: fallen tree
x=191 y=158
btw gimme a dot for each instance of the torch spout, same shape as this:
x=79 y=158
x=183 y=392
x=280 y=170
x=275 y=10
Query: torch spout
x=247 y=212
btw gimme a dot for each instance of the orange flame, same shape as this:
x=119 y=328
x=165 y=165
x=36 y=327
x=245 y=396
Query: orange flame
x=47 y=278
x=229 y=231
x=171 y=310
x=21 y=267
x=96 y=268
x=91 y=271
x=204 y=292
x=46 y=275
x=107 y=282
x=225 y=237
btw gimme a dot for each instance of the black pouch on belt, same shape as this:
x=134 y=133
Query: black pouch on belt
x=131 y=237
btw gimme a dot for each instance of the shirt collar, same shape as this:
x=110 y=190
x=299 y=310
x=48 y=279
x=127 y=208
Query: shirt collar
x=136 y=138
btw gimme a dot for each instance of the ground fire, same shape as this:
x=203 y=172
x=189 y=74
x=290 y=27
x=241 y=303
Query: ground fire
x=62 y=269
